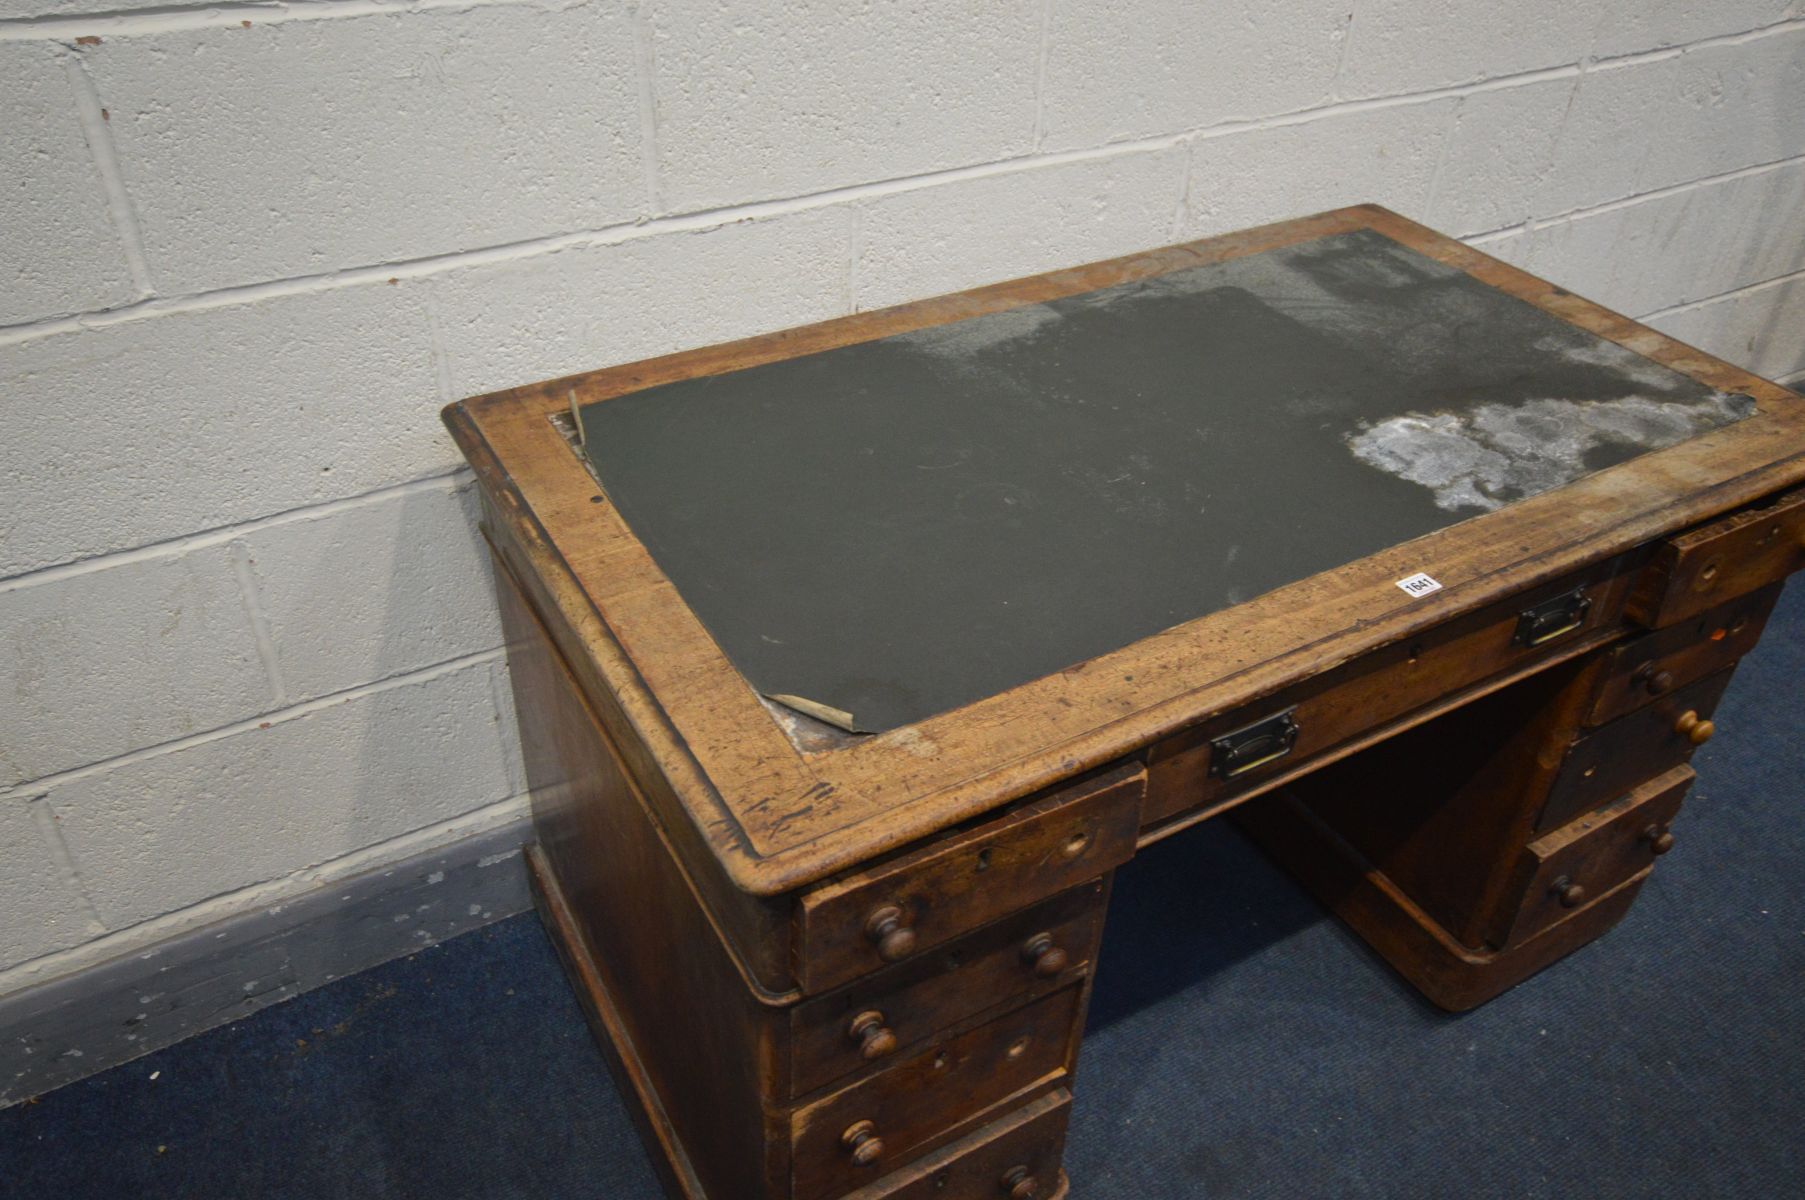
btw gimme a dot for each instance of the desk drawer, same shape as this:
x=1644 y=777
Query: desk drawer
x=887 y=1015
x=1653 y=665
x=899 y=908
x=1187 y=771
x=1583 y=860
x=857 y=1134
x=1017 y=1156
x=1610 y=761
x=1702 y=569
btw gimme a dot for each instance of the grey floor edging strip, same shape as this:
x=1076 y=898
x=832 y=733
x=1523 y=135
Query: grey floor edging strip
x=82 y=1023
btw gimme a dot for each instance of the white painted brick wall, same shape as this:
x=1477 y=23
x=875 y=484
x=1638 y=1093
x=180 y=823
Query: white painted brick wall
x=308 y=146
x=1142 y=68
x=1675 y=247
x=1384 y=155
x=1626 y=26
x=1499 y=151
x=59 y=252
x=922 y=242
x=15 y=9
x=1762 y=326
x=1697 y=114
x=242 y=266
x=362 y=593
x=1405 y=45
x=153 y=428
x=526 y=319
x=45 y=908
x=146 y=836
x=756 y=100
x=118 y=659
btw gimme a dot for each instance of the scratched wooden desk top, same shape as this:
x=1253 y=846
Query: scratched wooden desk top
x=1020 y=531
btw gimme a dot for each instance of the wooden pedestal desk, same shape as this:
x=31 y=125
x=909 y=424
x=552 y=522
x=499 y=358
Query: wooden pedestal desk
x=852 y=661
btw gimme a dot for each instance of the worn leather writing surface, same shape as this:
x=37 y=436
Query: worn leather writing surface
x=900 y=527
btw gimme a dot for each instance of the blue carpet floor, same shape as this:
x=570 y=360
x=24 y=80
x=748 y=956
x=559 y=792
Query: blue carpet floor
x=1242 y=1044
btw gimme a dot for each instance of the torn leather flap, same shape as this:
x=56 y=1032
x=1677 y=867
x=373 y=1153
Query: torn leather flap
x=837 y=717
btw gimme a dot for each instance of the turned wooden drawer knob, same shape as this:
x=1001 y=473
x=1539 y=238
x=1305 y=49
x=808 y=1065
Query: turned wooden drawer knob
x=1692 y=729
x=1659 y=840
x=873 y=1038
x=887 y=928
x=1570 y=894
x=1659 y=683
x=1044 y=956
x=1018 y=1184
x=861 y=1139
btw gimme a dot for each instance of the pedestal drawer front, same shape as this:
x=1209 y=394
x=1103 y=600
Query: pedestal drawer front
x=1016 y=1158
x=859 y=1133
x=885 y=1016
x=892 y=911
x=1581 y=861
x=1652 y=666
x=1702 y=569
x=1611 y=760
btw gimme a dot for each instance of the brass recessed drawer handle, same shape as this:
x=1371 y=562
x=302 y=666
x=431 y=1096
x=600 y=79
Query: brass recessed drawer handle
x=1552 y=618
x=888 y=928
x=862 y=1142
x=1042 y=954
x=1690 y=727
x=1240 y=751
x=869 y=1033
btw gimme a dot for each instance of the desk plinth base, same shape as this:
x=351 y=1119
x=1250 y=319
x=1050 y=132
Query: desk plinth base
x=1452 y=976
